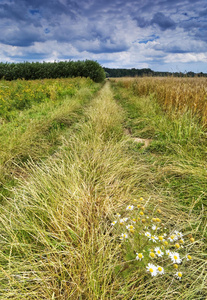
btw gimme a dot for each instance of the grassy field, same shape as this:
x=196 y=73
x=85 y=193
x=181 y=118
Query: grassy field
x=113 y=208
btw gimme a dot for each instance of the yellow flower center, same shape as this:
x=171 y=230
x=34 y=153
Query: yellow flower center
x=172 y=237
x=160 y=238
x=166 y=243
x=192 y=240
x=153 y=237
x=151 y=270
x=175 y=266
x=158 y=220
x=175 y=257
x=141 y=213
x=179 y=274
x=138 y=206
x=177 y=245
x=158 y=251
x=159 y=269
x=189 y=257
x=152 y=254
x=181 y=241
x=140 y=255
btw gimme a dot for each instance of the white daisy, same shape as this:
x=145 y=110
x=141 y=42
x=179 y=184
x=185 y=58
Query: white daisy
x=113 y=223
x=130 y=207
x=148 y=234
x=168 y=252
x=179 y=234
x=153 y=238
x=173 y=238
x=139 y=256
x=160 y=270
x=179 y=275
x=124 y=236
x=152 y=269
x=130 y=227
x=175 y=257
x=158 y=252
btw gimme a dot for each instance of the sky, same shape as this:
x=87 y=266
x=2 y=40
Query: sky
x=163 y=35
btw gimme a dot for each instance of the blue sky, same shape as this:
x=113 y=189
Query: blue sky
x=164 y=35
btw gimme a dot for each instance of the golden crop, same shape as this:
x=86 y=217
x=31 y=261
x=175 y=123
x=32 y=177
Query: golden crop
x=174 y=94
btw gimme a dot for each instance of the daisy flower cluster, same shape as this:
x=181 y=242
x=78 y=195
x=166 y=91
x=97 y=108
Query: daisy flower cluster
x=156 y=248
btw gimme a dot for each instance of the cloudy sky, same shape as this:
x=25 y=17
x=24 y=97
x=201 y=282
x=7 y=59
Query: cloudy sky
x=164 y=35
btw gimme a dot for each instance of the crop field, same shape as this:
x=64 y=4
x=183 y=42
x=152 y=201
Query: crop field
x=103 y=189
x=176 y=95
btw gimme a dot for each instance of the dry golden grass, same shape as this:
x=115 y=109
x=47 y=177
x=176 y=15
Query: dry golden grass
x=174 y=94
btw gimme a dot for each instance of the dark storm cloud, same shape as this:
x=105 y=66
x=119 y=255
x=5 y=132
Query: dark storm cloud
x=163 y=21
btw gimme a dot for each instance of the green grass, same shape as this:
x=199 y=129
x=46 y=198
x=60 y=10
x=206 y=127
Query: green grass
x=35 y=133
x=177 y=153
x=57 y=241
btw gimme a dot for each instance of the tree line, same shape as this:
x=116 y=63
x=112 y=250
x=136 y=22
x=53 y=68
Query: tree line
x=62 y=69
x=148 y=72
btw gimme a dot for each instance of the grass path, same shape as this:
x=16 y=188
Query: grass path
x=57 y=241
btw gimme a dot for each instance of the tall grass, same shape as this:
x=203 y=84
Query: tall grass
x=174 y=94
x=57 y=241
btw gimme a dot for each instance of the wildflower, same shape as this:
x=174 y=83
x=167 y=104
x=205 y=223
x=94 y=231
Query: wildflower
x=118 y=215
x=192 y=239
x=177 y=246
x=179 y=234
x=143 y=220
x=188 y=257
x=153 y=238
x=160 y=270
x=158 y=220
x=124 y=236
x=153 y=219
x=152 y=255
x=179 y=275
x=158 y=252
x=121 y=221
x=138 y=206
x=173 y=238
x=148 y=234
x=166 y=243
x=113 y=223
x=130 y=227
x=154 y=227
x=152 y=269
x=141 y=213
x=159 y=210
x=141 y=199
x=175 y=266
x=134 y=221
x=181 y=241
x=160 y=238
x=139 y=256
x=130 y=207
x=175 y=257
x=168 y=252
x=142 y=208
